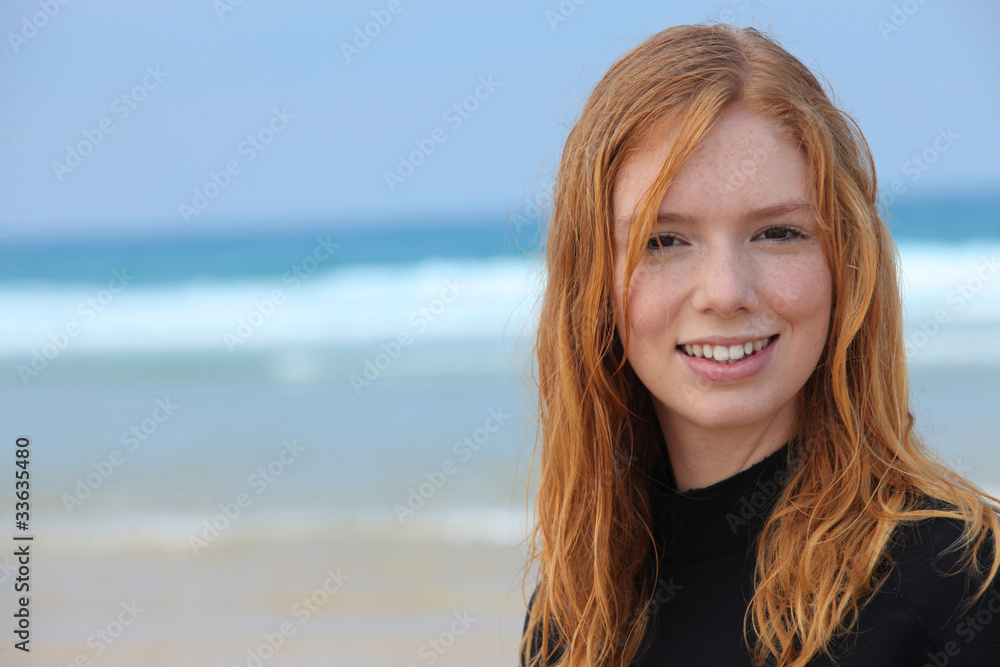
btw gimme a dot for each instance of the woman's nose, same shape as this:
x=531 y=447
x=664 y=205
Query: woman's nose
x=725 y=282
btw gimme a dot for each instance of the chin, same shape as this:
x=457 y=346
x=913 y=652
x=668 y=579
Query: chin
x=723 y=415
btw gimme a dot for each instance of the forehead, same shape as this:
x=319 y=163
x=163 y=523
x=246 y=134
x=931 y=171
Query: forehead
x=745 y=162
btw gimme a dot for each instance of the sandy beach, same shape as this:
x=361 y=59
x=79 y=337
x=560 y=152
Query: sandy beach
x=361 y=599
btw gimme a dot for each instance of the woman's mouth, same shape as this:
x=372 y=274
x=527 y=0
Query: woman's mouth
x=726 y=355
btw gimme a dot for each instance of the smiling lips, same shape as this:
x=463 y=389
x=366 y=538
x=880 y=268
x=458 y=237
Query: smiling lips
x=727 y=354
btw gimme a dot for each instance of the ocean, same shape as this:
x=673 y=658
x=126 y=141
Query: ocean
x=223 y=397
x=326 y=335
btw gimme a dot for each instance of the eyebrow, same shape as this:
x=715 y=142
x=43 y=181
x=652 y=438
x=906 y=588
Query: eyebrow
x=756 y=215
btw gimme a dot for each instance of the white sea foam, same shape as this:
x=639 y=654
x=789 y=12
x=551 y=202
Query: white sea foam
x=175 y=532
x=437 y=302
x=431 y=300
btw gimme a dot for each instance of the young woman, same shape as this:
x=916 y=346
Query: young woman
x=729 y=473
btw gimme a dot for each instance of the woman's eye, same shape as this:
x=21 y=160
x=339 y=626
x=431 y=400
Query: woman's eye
x=658 y=241
x=782 y=233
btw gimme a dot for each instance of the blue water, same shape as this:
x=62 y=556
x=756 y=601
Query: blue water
x=378 y=355
x=950 y=221
x=303 y=306
x=259 y=255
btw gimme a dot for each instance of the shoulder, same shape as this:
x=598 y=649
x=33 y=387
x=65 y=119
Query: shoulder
x=536 y=642
x=933 y=582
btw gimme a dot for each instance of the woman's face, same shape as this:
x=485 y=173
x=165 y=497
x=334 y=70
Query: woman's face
x=741 y=277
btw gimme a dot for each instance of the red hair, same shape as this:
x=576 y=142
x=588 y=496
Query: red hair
x=820 y=551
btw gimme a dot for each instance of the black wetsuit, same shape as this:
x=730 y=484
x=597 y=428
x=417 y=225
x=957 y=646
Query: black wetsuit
x=705 y=584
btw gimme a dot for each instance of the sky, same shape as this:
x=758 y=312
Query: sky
x=176 y=117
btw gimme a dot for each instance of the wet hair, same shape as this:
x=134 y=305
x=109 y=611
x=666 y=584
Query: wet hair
x=860 y=469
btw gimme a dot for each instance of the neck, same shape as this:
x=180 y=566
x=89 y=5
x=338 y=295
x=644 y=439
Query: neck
x=701 y=456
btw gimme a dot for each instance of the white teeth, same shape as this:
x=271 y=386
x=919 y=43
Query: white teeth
x=727 y=353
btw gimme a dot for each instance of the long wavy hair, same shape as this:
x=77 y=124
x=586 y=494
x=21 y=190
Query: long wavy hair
x=861 y=469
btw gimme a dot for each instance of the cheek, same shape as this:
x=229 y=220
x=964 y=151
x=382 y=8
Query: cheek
x=616 y=303
x=651 y=296
x=801 y=294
